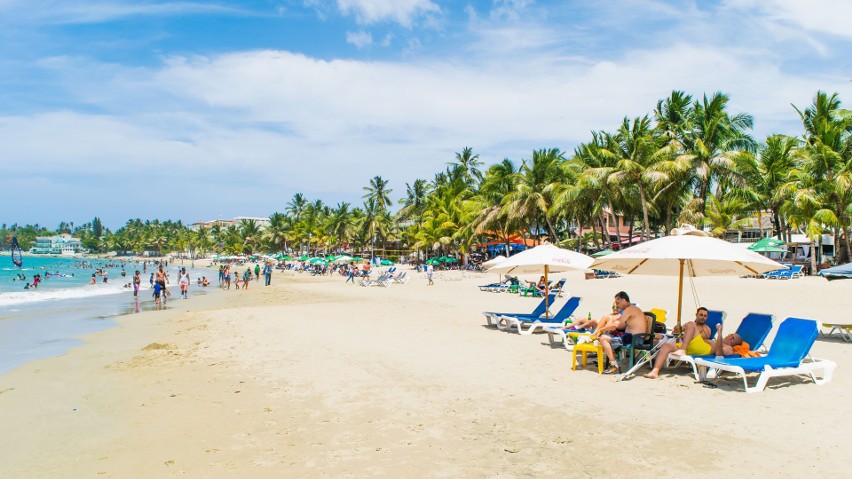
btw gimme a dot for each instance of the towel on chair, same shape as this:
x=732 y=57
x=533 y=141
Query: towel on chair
x=744 y=351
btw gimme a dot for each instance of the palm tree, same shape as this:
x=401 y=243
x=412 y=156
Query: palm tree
x=340 y=223
x=533 y=196
x=378 y=193
x=275 y=235
x=466 y=167
x=414 y=202
x=766 y=175
x=250 y=235
x=712 y=138
x=296 y=206
x=726 y=214
x=826 y=164
x=638 y=151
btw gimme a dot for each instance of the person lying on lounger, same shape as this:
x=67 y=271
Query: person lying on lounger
x=696 y=342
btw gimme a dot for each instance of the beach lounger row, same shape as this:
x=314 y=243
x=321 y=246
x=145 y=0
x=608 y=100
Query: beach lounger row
x=385 y=279
x=793 y=272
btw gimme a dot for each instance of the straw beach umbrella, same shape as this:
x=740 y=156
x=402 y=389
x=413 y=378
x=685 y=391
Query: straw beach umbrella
x=547 y=258
x=691 y=251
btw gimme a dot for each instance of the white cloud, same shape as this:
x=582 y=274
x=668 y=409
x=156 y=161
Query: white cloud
x=360 y=39
x=823 y=16
x=400 y=11
x=67 y=11
x=286 y=122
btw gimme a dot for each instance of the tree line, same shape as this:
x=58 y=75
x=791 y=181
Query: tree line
x=689 y=160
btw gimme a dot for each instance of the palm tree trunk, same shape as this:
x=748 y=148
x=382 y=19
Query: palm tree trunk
x=646 y=234
x=814 y=246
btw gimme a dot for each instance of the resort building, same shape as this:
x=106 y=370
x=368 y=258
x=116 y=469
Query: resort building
x=63 y=244
x=262 y=222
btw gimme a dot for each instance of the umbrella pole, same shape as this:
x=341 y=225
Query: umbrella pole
x=677 y=329
x=546 y=295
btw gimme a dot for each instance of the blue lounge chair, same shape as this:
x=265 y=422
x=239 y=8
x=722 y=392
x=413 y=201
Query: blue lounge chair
x=753 y=329
x=519 y=320
x=715 y=318
x=794 y=272
x=786 y=357
x=775 y=273
x=493 y=317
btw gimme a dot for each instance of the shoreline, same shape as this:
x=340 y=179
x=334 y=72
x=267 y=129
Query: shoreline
x=311 y=377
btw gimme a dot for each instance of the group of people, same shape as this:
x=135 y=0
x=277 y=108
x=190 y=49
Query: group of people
x=248 y=275
x=616 y=329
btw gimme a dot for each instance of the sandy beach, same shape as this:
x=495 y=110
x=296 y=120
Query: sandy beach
x=314 y=378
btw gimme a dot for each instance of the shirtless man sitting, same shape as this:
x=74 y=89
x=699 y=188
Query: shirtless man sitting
x=629 y=318
x=696 y=342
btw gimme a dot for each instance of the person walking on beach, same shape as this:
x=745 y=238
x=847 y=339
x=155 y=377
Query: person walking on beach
x=257 y=272
x=430 y=270
x=267 y=273
x=184 y=283
x=246 y=278
x=350 y=273
x=221 y=275
x=137 y=283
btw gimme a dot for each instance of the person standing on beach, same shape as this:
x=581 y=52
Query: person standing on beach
x=257 y=272
x=160 y=279
x=137 y=282
x=267 y=273
x=430 y=270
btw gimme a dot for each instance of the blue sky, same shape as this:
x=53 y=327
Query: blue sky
x=199 y=110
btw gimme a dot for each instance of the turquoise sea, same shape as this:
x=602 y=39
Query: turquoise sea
x=48 y=320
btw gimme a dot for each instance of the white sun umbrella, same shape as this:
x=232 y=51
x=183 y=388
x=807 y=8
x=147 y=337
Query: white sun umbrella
x=547 y=258
x=343 y=259
x=693 y=252
x=492 y=262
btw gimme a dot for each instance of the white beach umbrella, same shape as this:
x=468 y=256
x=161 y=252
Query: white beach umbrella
x=696 y=253
x=492 y=262
x=546 y=258
x=343 y=259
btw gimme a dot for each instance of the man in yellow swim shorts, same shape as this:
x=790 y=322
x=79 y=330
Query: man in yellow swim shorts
x=696 y=337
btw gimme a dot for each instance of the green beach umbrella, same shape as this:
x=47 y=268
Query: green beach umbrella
x=304 y=257
x=769 y=249
x=386 y=262
x=774 y=242
x=316 y=260
x=447 y=259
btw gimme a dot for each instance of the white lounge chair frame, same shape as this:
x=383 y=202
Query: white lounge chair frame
x=845 y=330
x=808 y=367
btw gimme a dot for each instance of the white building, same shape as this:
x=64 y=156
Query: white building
x=62 y=244
x=262 y=222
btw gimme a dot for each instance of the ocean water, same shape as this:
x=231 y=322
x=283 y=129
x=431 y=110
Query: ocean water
x=48 y=320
